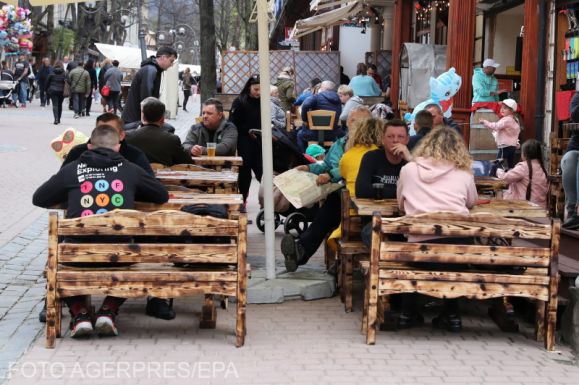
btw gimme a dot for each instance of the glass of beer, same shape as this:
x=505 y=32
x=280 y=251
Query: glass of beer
x=211 y=148
x=378 y=191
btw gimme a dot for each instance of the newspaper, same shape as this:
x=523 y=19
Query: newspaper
x=300 y=188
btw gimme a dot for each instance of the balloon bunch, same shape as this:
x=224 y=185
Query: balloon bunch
x=15 y=30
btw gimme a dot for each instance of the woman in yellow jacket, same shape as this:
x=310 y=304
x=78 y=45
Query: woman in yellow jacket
x=366 y=136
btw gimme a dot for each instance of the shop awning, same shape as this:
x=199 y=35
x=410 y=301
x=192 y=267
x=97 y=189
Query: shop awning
x=11 y=2
x=128 y=57
x=327 y=19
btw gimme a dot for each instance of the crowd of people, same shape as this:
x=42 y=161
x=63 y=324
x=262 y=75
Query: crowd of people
x=373 y=157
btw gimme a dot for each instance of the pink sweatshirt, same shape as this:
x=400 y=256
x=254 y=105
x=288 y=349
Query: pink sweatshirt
x=426 y=185
x=518 y=180
x=507 y=131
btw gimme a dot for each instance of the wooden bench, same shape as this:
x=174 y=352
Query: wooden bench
x=539 y=280
x=212 y=268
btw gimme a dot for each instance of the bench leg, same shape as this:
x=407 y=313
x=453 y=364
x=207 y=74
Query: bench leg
x=366 y=304
x=208 y=313
x=240 y=328
x=540 y=320
x=58 y=318
x=502 y=313
x=348 y=270
x=372 y=310
x=551 y=309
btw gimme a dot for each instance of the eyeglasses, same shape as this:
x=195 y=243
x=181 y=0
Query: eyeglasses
x=67 y=138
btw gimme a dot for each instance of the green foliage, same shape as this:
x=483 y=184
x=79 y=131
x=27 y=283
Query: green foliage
x=61 y=42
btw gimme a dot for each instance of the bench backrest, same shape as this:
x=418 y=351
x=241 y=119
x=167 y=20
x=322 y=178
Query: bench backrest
x=485 y=225
x=321 y=120
x=181 y=227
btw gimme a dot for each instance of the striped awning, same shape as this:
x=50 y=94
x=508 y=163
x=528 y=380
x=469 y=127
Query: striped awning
x=327 y=19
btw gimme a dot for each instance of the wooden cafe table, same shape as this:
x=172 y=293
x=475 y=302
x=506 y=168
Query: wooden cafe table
x=213 y=181
x=179 y=199
x=219 y=163
x=489 y=183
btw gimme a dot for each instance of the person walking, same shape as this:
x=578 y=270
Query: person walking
x=246 y=116
x=21 y=72
x=80 y=87
x=89 y=67
x=187 y=83
x=41 y=78
x=106 y=65
x=55 y=90
x=113 y=79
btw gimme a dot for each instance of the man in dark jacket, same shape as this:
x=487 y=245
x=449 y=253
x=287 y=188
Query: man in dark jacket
x=158 y=145
x=129 y=152
x=214 y=128
x=423 y=122
x=147 y=82
x=326 y=99
x=99 y=181
x=41 y=77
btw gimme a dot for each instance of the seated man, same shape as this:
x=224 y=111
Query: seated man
x=570 y=170
x=158 y=145
x=382 y=166
x=100 y=170
x=214 y=128
x=326 y=99
x=299 y=251
x=129 y=152
x=422 y=125
x=438 y=118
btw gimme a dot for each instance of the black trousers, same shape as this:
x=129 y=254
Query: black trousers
x=508 y=154
x=326 y=220
x=57 y=99
x=88 y=104
x=250 y=150
x=44 y=97
x=186 y=95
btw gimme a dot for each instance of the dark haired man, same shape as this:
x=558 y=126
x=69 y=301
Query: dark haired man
x=129 y=152
x=147 y=82
x=158 y=145
x=213 y=128
x=100 y=180
x=423 y=122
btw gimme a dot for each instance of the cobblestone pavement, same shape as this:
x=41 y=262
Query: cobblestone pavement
x=295 y=342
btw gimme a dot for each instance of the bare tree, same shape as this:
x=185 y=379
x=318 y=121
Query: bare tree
x=208 y=75
x=245 y=9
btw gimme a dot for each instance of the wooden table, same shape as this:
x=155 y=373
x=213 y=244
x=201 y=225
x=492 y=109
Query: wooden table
x=505 y=208
x=219 y=162
x=489 y=183
x=179 y=199
x=215 y=182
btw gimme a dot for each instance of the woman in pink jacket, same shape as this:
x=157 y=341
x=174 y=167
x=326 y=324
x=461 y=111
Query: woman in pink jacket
x=506 y=131
x=528 y=179
x=439 y=178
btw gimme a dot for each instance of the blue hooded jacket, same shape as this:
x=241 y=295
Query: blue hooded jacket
x=482 y=86
x=325 y=100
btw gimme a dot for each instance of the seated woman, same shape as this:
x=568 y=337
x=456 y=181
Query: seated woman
x=439 y=178
x=528 y=179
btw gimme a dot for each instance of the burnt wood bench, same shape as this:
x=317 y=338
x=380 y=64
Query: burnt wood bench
x=164 y=266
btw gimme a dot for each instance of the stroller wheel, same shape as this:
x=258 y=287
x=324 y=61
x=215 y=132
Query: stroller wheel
x=260 y=220
x=295 y=224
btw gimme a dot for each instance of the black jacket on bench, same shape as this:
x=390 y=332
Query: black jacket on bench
x=99 y=181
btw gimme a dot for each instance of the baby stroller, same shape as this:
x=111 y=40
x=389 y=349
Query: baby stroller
x=7 y=86
x=286 y=155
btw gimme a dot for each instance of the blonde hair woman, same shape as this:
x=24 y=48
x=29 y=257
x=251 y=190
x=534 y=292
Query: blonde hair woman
x=439 y=178
x=105 y=65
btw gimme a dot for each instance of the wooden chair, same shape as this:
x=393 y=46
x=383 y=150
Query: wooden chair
x=211 y=268
x=351 y=249
x=386 y=275
x=321 y=120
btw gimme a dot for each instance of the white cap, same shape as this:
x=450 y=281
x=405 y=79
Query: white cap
x=511 y=104
x=490 y=63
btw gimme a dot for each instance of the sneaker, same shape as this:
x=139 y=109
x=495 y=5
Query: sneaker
x=292 y=252
x=409 y=320
x=22 y=106
x=81 y=325
x=105 y=323
x=450 y=322
x=572 y=223
x=76 y=116
x=160 y=308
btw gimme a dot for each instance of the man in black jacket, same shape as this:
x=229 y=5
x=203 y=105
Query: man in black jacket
x=147 y=82
x=129 y=152
x=99 y=181
x=41 y=77
x=158 y=145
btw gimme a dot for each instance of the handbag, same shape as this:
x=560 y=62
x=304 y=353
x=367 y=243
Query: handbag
x=106 y=91
x=66 y=90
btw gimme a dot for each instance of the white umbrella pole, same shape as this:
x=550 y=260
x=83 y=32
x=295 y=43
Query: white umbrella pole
x=266 y=146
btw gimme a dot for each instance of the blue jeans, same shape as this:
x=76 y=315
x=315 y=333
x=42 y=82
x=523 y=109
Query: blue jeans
x=570 y=173
x=20 y=93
